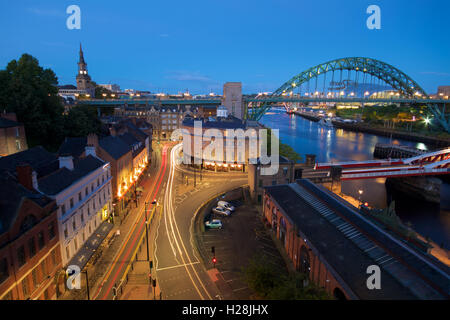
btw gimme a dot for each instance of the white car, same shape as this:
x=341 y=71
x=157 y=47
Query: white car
x=214 y=224
x=226 y=205
x=221 y=211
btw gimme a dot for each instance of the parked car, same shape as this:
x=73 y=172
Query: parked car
x=226 y=205
x=221 y=211
x=214 y=224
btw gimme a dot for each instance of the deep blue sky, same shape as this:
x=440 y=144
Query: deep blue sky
x=200 y=44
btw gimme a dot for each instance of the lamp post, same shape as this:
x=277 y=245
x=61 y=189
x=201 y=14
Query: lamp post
x=359 y=197
x=146 y=229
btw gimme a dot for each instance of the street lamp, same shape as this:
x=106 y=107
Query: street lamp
x=359 y=198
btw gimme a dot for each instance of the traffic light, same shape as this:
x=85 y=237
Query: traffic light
x=214 y=260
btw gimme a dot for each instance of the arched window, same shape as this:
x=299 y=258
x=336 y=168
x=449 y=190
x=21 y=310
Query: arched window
x=305 y=264
x=338 y=294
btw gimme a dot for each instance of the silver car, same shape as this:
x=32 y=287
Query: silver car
x=221 y=211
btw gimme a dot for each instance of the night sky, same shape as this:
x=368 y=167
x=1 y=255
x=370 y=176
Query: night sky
x=171 y=46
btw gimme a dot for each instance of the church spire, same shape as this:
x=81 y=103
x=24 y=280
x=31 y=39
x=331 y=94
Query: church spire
x=81 y=55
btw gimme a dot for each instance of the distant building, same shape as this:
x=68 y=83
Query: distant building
x=443 y=91
x=111 y=87
x=336 y=247
x=30 y=256
x=70 y=91
x=84 y=82
x=223 y=122
x=232 y=99
x=12 y=135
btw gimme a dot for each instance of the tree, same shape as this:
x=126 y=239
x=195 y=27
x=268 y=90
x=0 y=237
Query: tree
x=80 y=121
x=30 y=91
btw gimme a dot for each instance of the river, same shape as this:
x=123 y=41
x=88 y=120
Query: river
x=330 y=144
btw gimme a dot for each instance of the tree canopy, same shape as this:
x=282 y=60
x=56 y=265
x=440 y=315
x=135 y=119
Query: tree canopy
x=31 y=92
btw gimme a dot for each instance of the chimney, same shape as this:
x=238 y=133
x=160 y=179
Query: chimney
x=24 y=175
x=92 y=140
x=34 y=180
x=66 y=161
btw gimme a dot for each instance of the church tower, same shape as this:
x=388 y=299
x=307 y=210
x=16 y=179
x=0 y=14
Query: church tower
x=83 y=79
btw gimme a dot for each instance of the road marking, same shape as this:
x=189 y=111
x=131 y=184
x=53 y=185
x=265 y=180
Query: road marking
x=243 y=288
x=177 y=266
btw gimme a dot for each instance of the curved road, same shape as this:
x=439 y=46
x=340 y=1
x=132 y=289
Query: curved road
x=180 y=273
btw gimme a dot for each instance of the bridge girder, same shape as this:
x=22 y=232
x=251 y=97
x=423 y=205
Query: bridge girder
x=392 y=76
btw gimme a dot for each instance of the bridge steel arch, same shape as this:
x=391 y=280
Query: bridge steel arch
x=392 y=76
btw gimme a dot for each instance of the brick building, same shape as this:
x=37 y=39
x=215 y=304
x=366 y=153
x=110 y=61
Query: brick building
x=30 y=257
x=12 y=135
x=334 y=245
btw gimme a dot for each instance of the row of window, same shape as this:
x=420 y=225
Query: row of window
x=88 y=206
x=86 y=193
x=83 y=238
x=33 y=245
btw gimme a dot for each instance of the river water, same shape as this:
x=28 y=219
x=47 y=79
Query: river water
x=330 y=144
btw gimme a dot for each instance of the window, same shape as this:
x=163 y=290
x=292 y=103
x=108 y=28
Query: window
x=82 y=217
x=4 y=272
x=274 y=182
x=44 y=269
x=34 y=278
x=92 y=188
x=32 y=247
x=285 y=170
x=79 y=196
x=21 y=256
x=260 y=183
x=66 y=233
x=84 y=237
x=17 y=132
x=74 y=224
x=51 y=230
x=86 y=191
x=54 y=257
x=17 y=144
x=103 y=179
x=89 y=210
x=25 y=288
x=41 y=240
x=68 y=252
x=71 y=203
x=75 y=242
x=98 y=183
x=63 y=209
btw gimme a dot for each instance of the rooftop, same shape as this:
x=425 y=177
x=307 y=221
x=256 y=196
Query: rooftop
x=42 y=161
x=62 y=178
x=350 y=243
x=114 y=146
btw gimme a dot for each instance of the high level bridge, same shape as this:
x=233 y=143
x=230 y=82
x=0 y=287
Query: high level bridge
x=352 y=80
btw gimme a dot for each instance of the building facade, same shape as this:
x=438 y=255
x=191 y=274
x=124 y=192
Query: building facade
x=30 y=255
x=232 y=99
x=12 y=135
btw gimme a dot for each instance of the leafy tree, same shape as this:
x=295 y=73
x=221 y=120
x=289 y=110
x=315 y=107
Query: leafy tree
x=30 y=91
x=80 y=121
